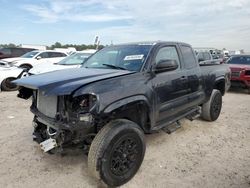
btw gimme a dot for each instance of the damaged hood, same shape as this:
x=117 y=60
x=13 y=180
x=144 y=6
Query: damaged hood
x=64 y=82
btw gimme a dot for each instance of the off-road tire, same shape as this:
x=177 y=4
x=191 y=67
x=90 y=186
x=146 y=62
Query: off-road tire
x=8 y=86
x=211 y=109
x=108 y=146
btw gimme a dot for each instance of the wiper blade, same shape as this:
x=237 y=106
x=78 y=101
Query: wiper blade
x=114 y=66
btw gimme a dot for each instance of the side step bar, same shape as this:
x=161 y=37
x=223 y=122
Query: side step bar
x=174 y=124
x=171 y=128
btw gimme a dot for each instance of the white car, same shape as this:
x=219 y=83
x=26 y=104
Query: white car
x=32 y=58
x=9 y=73
x=73 y=61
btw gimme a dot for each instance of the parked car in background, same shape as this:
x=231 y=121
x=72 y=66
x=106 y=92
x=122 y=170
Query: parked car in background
x=7 y=75
x=28 y=60
x=240 y=71
x=205 y=57
x=218 y=54
x=13 y=52
x=74 y=61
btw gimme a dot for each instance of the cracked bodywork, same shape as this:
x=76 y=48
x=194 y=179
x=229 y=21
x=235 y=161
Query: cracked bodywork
x=72 y=105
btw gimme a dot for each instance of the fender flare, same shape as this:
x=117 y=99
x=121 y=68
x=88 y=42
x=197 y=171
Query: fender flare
x=128 y=100
x=28 y=64
x=219 y=79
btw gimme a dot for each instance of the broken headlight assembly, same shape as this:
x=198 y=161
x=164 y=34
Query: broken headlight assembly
x=83 y=106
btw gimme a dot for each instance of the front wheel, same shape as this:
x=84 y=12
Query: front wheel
x=7 y=84
x=211 y=109
x=117 y=152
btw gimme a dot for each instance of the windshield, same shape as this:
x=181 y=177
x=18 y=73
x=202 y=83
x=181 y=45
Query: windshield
x=243 y=60
x=128 y=57
x=75 y=59
x=30 y=54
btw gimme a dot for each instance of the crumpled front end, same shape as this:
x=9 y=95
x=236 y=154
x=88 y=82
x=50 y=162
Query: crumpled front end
x=62 y=121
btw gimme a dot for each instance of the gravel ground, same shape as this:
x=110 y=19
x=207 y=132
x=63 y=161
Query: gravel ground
x=200 y=154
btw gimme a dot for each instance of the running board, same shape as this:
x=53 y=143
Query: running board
x=171 y=128
x=196 y=114
x=187 y=115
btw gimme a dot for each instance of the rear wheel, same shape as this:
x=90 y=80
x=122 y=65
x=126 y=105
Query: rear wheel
x=8 y=86
x=117 y=152
x=212 y=108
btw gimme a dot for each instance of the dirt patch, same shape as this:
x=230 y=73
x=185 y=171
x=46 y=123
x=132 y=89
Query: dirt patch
x=200 y=154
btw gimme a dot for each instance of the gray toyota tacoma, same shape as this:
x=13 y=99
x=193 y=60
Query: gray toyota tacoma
x=120 y=93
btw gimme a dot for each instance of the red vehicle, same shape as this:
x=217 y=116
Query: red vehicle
x=240 y=71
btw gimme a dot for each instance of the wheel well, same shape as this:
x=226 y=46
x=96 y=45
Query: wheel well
x=220 y=85
x=4 y=80
x=137 y=112
x=28 y=65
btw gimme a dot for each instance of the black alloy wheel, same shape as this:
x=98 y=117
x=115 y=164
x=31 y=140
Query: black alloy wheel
x=117 y=152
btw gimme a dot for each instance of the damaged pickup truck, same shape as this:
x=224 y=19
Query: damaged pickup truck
x=120 y=93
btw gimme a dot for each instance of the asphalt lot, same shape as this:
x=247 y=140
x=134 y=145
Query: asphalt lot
x=200 y=154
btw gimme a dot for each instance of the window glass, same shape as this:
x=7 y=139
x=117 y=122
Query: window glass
x=130 y=57
x=44 y=55
x=30 y=54
x=206 y=56
x=167 y=53
x=244 y=60
x=75 y=59
x=200 y=56
x=188 y=57
x=56 y=54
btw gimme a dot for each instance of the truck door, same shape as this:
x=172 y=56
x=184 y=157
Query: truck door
x=170 y=87
x=195 y=87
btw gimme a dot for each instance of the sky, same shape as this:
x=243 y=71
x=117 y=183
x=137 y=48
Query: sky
x=203 y=23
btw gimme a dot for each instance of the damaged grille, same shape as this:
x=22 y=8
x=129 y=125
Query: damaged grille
x=235 y=74
x=47 y=104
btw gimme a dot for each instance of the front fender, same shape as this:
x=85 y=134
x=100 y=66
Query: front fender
x=125 y=101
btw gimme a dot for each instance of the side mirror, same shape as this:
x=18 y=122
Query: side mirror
x=166 y=65
x=38 y=57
